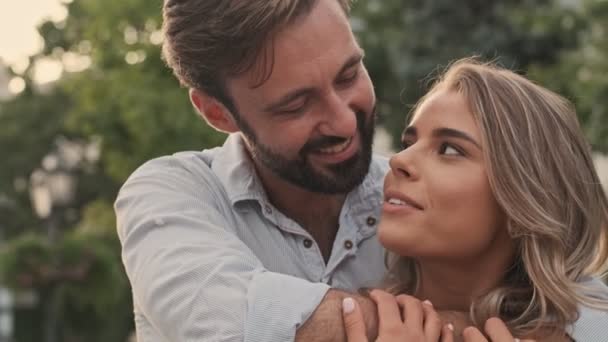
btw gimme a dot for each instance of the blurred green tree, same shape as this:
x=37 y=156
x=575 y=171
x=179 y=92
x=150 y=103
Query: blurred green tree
x=406 y=41
x=115 y=107
x=118 y=105
x=581 y=73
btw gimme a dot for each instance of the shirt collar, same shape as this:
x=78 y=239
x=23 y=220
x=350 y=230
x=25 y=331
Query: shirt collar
x=234 y=168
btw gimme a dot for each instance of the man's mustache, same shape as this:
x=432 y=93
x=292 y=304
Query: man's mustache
x=329 y=141
x=322 y=142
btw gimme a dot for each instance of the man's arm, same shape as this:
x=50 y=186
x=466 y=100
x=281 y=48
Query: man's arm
x=193 y=279
x=326 y=323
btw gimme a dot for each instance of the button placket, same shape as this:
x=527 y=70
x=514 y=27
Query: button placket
x=371 y=221
x=348 y=244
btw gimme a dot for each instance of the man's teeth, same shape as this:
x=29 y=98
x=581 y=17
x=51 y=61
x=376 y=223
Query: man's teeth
x=336 y=148
x=396 y=201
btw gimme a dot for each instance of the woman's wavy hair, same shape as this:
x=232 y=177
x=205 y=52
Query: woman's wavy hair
x=542 y=175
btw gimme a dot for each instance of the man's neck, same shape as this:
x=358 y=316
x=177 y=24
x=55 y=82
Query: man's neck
x=317 y=213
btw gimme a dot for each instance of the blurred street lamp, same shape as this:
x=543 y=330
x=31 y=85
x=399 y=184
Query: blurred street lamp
x=6 y=315
x=49 y=190
x=52 y=187
x=6 y=296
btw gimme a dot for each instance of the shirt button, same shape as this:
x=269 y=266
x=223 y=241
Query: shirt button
x=348 y=244
x=307 y=243
x=371 y=221
x=268 y=209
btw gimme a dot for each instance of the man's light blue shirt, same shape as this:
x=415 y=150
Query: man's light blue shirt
x=211 y=259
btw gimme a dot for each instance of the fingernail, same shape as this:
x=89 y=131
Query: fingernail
x=427 y=302
x=450 y=326
x=348 y=305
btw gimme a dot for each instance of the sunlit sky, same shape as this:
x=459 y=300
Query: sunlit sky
x=18 y=21
x=18 y=36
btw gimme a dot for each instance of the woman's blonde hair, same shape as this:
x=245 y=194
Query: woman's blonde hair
x=542 y=175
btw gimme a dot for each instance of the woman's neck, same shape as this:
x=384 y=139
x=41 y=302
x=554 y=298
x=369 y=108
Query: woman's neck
x=453 y=285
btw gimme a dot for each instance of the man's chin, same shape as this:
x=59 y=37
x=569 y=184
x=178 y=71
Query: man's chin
x=344 y=176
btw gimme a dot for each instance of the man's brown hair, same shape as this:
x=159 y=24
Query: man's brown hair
x=206 y=41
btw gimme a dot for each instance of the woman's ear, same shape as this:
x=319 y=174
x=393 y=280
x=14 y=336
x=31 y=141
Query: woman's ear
x=214 y=112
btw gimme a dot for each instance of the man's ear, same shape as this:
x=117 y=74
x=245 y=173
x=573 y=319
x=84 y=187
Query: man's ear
x=215 y=113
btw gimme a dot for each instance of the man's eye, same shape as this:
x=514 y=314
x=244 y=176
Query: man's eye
x=449 y=150
x=296 y=108
x=350 y=77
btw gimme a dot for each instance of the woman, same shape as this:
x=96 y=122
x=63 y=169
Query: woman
x=494 y=209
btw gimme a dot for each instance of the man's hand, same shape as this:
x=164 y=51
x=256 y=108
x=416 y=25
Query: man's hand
x=326 y=325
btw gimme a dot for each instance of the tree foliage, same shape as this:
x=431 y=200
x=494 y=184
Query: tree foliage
x=406 y=41
x=126 y=104
x=580 y=73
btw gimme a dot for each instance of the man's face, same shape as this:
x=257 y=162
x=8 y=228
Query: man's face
x=312 y=122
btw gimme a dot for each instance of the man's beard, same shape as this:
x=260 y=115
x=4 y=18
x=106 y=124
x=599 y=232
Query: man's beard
x=337 y=178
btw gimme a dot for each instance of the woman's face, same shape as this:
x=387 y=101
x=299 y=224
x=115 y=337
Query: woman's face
x=438 y=202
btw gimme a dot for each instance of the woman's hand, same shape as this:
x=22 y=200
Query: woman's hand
x=495 y=328
x=402 y=318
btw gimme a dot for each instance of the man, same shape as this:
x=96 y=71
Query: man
x=243 y=242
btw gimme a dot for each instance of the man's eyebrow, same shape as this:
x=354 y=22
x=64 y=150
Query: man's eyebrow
x=287 y=98
x=352 y=61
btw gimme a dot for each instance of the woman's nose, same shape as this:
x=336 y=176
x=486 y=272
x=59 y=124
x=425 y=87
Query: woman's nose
x=402 y=164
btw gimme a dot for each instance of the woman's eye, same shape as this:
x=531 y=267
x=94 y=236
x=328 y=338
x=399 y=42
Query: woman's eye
x=405 y=144
x=449 y=150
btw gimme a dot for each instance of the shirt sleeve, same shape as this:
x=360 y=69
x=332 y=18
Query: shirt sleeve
x=192 y=278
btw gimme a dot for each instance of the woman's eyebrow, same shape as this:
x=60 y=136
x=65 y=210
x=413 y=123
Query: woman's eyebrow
x=454 y=133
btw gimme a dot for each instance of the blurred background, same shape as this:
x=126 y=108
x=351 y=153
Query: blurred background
x=85 y=99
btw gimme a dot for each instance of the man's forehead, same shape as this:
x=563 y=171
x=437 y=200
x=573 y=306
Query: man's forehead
x=305 y=54
x=311 y=43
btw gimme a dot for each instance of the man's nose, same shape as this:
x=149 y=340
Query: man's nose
x=339 y=118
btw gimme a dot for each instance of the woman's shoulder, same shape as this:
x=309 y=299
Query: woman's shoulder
x=592 y=323
x=594 y=286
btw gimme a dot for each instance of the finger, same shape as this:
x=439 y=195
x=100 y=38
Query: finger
x=447 y=333
x=472 y=334
x=432 y=322
x=389 y=316
x=412 y=312
x=354 y=326
x=497 y=330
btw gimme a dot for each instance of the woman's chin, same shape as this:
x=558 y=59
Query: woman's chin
x=395 y=241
